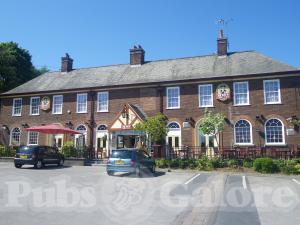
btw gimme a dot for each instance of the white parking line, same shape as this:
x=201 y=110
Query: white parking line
x=244 y=183
x=190 y=180
x=297 y=182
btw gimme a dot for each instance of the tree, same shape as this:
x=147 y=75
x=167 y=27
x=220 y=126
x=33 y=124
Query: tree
x=15 y=66
x=212 y=124
x=155 y=127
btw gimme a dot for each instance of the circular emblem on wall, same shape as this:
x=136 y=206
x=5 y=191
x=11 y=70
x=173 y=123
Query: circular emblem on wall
x=45 y=103
x=223 y=92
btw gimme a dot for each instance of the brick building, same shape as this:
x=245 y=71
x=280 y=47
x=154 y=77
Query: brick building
x=259 y=96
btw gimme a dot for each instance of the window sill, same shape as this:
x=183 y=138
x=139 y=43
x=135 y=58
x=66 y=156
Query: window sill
x=209 y=106
x=243 y=144
x=241 y=105
x=102 y=111
x=276 y=144
x=16 y=115
x=57 y=113
x=173 y=108
x=34 y=114
x=81 y=112
x=275 y=103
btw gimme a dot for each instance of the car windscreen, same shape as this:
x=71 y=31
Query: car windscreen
x=25 y=149
x=122 y=154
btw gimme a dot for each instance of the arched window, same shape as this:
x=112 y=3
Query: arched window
x=243 y=132
x=81 y=128
x=274 y=132
x=102 y=127
x=174 y=135
x=173 y=125
x=15 y=136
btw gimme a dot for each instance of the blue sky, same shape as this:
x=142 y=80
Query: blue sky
x=99 y=32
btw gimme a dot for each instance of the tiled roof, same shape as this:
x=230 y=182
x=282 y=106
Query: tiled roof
x=200 y=67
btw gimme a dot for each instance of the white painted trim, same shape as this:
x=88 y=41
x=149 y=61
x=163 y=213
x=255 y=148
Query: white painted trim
x=62 y=102
x=211 y=95
x=167 y=101
x=279 y=93
x=13 y=107
x=248 y=98
x=251 y=136
x=283 y=135
x=10 y=137
x=28 y=135
x=81 y=94
x=98 y=98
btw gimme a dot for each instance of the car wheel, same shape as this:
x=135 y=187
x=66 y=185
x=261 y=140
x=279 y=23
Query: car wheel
x=61 y=162
x=110 y=173
x=39 y=164
x=18 y=165
x=138 y=172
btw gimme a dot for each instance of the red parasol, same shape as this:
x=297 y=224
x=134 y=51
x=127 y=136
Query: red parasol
x=52 y=129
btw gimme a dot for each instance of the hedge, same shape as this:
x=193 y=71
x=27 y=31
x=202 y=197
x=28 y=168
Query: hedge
x=262 y=165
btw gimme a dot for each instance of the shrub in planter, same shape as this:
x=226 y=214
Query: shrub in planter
x=7 y=151
x=248 y=163
x=288 y=166
x=298 y=168
x=161 y=163
x=68 y=149
x=265 y=165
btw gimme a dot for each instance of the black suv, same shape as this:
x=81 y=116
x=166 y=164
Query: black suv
x=38 y=156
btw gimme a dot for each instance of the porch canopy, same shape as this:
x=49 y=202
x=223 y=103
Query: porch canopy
x=52 y=129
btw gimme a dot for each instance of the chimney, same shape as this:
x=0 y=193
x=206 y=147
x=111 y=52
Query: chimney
x=66 y=63
x=137 y=55
x=222 y=44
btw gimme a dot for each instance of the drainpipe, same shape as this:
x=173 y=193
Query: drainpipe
x=92 y=123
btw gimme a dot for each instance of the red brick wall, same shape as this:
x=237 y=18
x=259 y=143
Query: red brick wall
x=149 y=101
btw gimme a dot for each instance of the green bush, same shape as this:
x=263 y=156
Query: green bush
x=204 y=163
x=183 y=164
x=298 y=167
x=248 y=163
x=232 y=163
x=218 y=163
x=7 y=151
x=161 y=163
x=265 y=165
x=174 y=163
x=288 y=166
x=68 y=149
x=192 y=163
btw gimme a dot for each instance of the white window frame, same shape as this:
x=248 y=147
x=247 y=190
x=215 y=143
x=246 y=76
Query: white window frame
x=10 y=139
x=37 y=138
x=53 y=104
x=251 y=137
x=13 y=108
x=31 y=99
x=98 y=101
x=283 y=134
x=211 y=94
x=81 y=94
x=167 y=102
x=279 y=93
x=234 y=93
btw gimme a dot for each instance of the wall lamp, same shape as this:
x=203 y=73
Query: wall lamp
x=4 y=127
x=191 y=121
x=125 y=112
x=69 y=124
x=25 y=125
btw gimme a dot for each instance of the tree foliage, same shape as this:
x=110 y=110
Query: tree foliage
x=212 y=123
x=155 y=127
x=15 y=66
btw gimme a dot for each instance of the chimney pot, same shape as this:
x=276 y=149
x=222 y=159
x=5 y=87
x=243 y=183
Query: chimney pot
x=137 y=55
x=66 y=63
